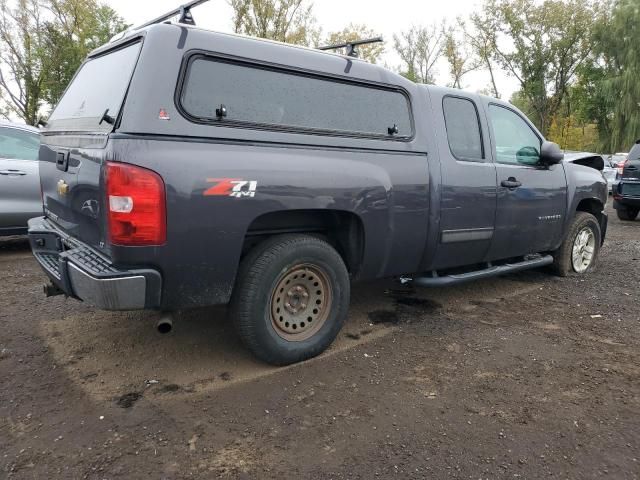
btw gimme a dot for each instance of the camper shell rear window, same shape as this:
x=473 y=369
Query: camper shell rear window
x=99 y=86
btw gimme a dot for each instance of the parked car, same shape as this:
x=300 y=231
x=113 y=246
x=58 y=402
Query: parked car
x=219 y=169
x=596 y=161
x=626 y=197
x=20 y=197
x=617 y=161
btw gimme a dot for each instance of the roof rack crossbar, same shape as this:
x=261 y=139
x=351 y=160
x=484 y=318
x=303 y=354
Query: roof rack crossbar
x=183 y=10
x=352 y=47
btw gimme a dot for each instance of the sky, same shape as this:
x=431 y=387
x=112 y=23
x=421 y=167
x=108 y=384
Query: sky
x=384 y=17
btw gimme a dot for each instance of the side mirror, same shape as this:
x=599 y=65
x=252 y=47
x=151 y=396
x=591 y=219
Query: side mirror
x=550 y=153
x=528 y=156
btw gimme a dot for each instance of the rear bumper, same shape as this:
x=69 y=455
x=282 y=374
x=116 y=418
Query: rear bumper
x=81 y=272
x=626 y=202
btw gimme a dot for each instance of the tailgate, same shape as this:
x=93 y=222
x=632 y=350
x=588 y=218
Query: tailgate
x=631 y=170
x=70 y=179
x=632 y=166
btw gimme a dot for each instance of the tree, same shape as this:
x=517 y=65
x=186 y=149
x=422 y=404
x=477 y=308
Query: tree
x=289 y=21
x=420 y=48
x=481 y=37
x=22 y=65
x=618 y=54
x=42 y=44
x=459 y=58
x=541 y=45
x=77 y=27
x=352 y=32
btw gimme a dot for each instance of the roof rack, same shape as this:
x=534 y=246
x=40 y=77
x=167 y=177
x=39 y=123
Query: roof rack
x=352 y=47
x=185 y=17
x=184 y=11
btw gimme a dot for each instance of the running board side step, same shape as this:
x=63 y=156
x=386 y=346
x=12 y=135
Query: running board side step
x=491 y=271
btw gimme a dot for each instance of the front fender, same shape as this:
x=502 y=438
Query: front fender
x=587 y=190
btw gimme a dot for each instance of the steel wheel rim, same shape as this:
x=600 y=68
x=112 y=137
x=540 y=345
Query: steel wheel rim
x=301 y=302
x=583 y=250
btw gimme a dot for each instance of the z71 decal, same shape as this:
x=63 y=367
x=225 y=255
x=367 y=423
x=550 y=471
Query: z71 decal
x=231 y=187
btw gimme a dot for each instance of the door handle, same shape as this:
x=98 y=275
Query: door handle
x=511 y=183
x=17 y=173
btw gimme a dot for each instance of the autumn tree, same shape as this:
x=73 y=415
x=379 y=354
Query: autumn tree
x=458 y=54
x=289 y=21
x=353 y=32
x=419 y=49
x=542 y=45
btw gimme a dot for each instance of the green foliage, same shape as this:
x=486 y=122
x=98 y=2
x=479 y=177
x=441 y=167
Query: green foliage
x=22 y=60
x=289 y=21
x=43 y=44
x=542 y=45
x=617 y=98
x=352 y=32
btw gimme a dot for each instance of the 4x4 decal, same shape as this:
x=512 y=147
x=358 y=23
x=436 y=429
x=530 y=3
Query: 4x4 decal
x=231 y=187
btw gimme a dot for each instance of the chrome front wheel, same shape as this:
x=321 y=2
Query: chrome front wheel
x=583 y=251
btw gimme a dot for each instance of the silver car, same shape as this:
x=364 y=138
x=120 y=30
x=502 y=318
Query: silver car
x=20 y=197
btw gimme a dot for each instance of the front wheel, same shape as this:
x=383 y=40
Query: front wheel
x=579 y=250
x=627 y=213
x=291 y=298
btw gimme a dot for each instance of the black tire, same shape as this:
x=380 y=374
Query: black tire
x=254 y=298
x=562 y=258
x=627 y=213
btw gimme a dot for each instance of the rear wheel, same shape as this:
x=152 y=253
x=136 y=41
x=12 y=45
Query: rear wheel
x=579 y=250
x=627 y=213
x=291 y=298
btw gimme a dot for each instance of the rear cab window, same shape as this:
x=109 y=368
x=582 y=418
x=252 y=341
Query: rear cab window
x=279 y=99
x=463 y=128
x=99 y=86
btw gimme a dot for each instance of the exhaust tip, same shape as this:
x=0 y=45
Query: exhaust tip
x=165 y=325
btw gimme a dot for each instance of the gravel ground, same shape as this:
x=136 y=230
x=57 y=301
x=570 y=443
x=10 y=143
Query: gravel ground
x=525 y=376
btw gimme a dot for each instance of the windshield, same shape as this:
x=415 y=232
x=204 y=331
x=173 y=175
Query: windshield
x=100 y=84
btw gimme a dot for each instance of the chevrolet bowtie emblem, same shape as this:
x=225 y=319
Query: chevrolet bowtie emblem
x=63 y=188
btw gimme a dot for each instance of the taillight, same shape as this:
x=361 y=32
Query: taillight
x=136 y=206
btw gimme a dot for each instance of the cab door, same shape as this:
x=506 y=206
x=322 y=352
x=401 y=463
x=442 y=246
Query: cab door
x=532 y=199
x=468 y=180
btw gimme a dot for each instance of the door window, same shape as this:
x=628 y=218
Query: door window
x=516 y=142
x=463 y=128
x=18 y=144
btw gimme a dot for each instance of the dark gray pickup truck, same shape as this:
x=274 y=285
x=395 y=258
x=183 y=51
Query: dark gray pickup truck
x=184 y=168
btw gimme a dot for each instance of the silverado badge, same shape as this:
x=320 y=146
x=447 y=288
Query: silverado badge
x=63 y=188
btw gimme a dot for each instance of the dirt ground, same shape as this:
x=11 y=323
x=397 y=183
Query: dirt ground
x=525 y=376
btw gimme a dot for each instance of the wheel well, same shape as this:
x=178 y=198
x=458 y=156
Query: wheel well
x=342 y=229
x=592 y=206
